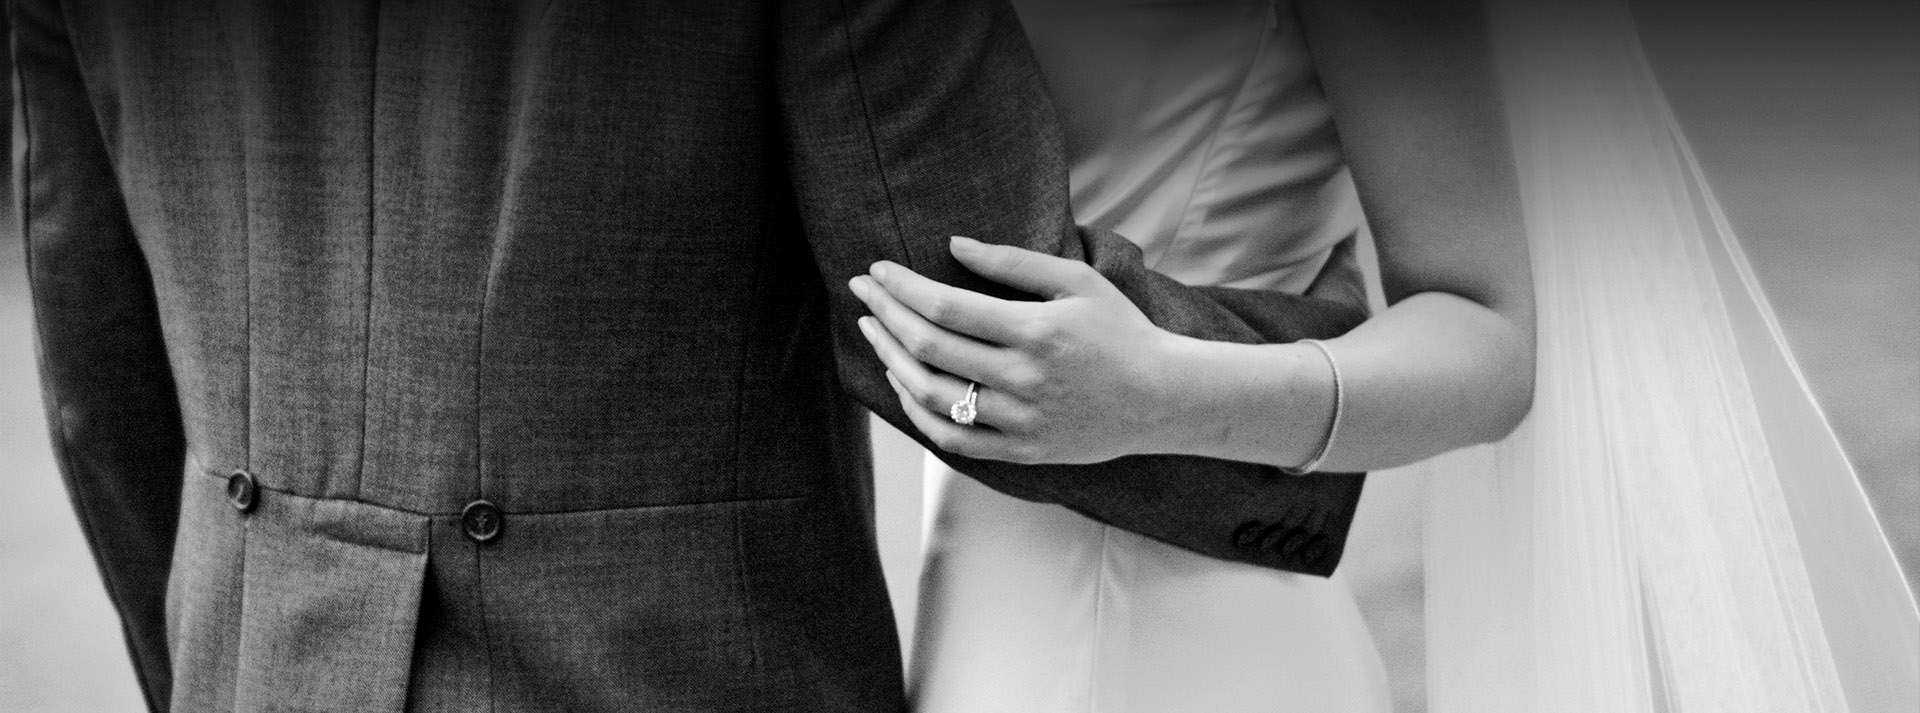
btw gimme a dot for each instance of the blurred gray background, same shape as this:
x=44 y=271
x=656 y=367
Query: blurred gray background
x=1806 y=116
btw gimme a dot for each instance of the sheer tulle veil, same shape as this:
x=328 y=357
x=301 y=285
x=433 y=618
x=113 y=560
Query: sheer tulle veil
x=1674 y=528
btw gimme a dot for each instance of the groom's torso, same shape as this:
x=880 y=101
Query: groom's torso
x=503 y=312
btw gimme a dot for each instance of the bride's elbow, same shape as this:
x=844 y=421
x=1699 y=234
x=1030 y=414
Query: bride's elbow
x=1512 y=412
x=1512 y=398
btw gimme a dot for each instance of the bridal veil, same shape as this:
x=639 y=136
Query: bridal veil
x=1674 y=528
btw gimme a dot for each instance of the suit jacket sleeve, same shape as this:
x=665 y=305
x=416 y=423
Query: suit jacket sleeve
x=911 y=120
x=109 y=395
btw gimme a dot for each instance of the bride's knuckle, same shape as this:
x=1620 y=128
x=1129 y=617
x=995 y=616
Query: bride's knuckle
x=1048 y=351
x=971 y=448
x=1023 y=380
x=1042 y=333
x=930 y=401
x=1027 y=331
x=920 y=345
x=937 y=309
x=945 y=439
x=1028 y=453
x=1033 y=384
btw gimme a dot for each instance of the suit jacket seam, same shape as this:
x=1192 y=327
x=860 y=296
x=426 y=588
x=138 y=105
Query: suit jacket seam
x=373 y=226
x=526 y=513
x=246 y=265
x=744 y=354
x=873 y=138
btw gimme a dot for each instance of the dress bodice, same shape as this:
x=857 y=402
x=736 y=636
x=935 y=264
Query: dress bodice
x=1198 y=129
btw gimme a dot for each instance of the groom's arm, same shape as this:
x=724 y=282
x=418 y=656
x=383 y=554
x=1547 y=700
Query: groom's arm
x=912 y=120
x=109 y=395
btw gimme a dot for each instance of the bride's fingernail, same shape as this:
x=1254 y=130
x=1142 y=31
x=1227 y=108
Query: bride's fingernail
x=963 y=244
x=866 y=327
x=878 y=270
x=859 y=287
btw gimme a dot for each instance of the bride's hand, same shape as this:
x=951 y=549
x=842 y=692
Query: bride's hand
x=1080 y=377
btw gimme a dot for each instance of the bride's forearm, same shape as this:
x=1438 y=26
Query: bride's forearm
x=1434 y=373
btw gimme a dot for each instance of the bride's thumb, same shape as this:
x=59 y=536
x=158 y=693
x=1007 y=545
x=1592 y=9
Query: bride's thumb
x=1025 y=270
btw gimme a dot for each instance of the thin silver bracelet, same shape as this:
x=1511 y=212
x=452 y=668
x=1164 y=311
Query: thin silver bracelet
x=1339 y=405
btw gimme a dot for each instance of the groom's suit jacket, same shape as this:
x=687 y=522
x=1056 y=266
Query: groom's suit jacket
x=496 y=356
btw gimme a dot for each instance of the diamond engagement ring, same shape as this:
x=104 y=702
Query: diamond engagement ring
x=963 y=411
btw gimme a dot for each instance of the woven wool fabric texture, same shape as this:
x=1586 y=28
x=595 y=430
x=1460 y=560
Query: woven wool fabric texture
x=583 y=260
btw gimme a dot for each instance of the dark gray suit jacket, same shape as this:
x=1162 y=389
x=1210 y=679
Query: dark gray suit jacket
x=489 y=355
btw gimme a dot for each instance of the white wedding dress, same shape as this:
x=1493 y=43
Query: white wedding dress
x=1198 y=130
x=1673 y=529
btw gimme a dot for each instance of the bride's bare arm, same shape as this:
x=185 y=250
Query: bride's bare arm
x=1449 y=364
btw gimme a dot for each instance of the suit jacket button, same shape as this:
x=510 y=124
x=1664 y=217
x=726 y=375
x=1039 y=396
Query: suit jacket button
x=1283 y=540
x=1299 y=515
x=1315 y=549
x=1247 y=536
x=481 y=521
x=242 y=491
